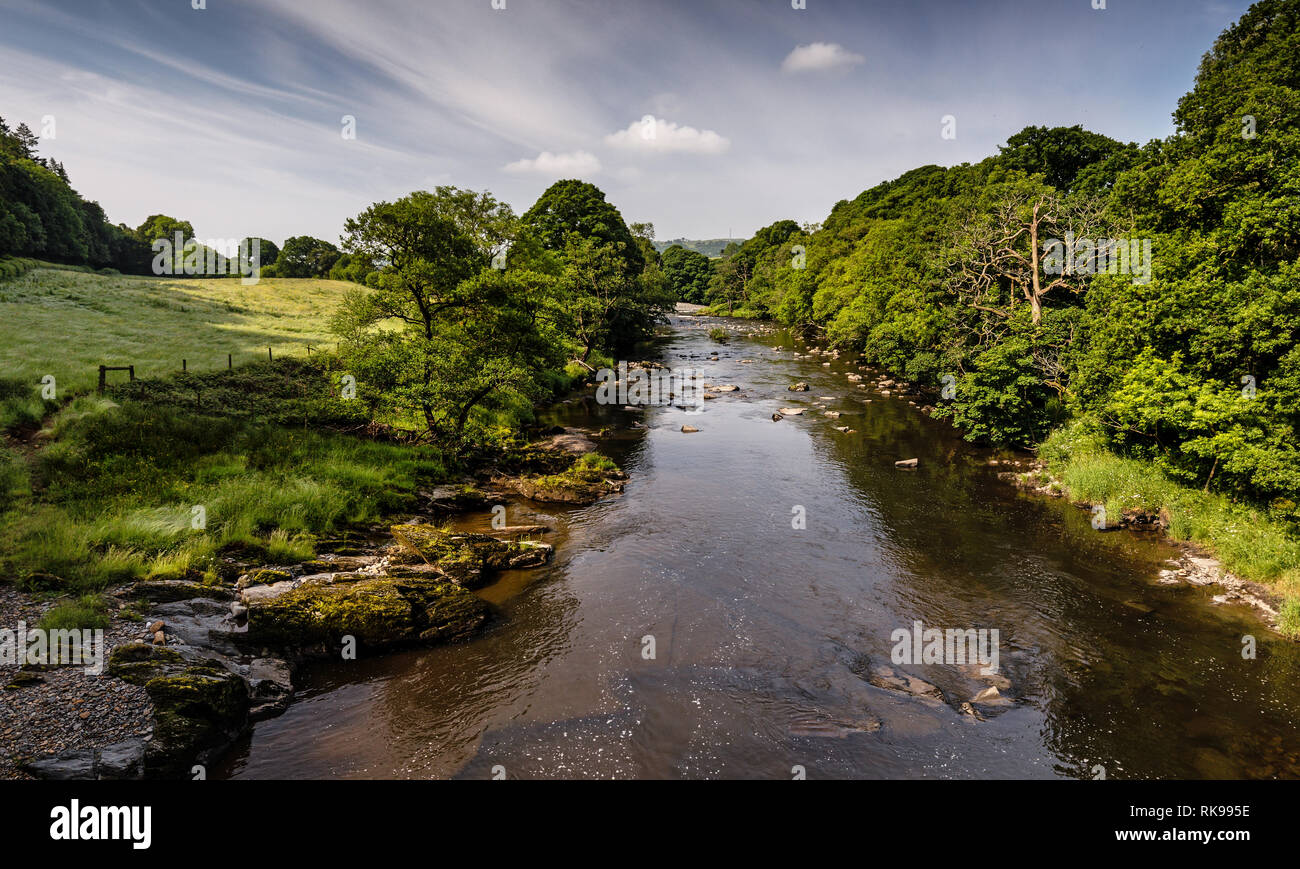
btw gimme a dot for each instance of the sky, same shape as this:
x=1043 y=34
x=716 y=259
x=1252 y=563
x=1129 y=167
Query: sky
x=707 y=118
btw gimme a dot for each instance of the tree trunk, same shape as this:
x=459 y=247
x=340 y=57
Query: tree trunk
x=1035 y=300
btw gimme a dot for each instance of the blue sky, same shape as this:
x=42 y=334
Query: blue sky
x=702 y=116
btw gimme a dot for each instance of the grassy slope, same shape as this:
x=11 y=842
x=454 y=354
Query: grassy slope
x=108 y=495
x=68 y=323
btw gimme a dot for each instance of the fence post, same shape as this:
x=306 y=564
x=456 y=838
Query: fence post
x=103 y=378
x=184 y=365
x=268 y=355
x=131 y=368
x=230 y=362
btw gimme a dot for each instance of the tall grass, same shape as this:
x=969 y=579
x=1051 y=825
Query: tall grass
x=115 y=494
x=84 y=613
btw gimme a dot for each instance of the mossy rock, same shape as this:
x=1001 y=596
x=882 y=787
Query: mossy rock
x=24 y=679
x=341 y=544
x=264 y=577
x=342 y=564
x=466 y=557
x=378 y=612
x=201 y=708
x=197 y=705
x=457 y=499
x=588 y=479
x=137 y=663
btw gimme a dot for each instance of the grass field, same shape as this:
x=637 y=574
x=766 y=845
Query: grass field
x=68 y=323
x=105 y=494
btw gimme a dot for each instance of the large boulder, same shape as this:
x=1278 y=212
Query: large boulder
x=199 y=705
x=377 y=611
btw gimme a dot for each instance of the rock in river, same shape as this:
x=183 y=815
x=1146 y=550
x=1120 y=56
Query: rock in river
x=378 y=611
x=465 y=558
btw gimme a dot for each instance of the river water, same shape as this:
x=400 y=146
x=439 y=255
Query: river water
x=764 y=634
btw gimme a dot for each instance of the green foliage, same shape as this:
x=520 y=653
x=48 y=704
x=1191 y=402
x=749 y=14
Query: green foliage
x=1063 y=154
x=286 y=392
x=305 y=257
x=578 y=208
x=267 y=251
x=470 y=334
x=1002 y=397
x=1248 y=541
x=116 y=488
x=355 y=268
x=688 y=273
x=710 y=247
x=746 y=274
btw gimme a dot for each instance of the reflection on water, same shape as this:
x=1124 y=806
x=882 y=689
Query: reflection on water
x=764 y=636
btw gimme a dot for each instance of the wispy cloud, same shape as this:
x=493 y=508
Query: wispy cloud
x=230 y=117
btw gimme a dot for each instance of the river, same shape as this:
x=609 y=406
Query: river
x=764 y=634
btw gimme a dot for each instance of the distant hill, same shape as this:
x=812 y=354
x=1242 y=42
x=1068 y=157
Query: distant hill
x=707 y=246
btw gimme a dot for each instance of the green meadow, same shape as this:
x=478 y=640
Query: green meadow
x=67 y=323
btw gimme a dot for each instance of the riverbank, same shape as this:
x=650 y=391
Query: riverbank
x=1232 y=545
x=190 y=664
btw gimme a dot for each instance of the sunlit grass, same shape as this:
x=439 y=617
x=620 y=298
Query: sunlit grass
x=119 y=487
x=68 y=323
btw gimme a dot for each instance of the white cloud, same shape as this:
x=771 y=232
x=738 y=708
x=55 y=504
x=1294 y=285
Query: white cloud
x=819 y=56
x=656 y=134
x=574 y=164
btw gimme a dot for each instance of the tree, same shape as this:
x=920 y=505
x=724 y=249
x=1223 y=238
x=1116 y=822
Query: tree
x=601 y=298
x=688 y=273
x=729 y=280
x=1059 y=154
x=27 y=141
x=471 y=331
x=579 y=208
x=160 y=226
x=1005 y=254
x=305 y=257
x=42 y=216
x=644 y=235
x=267 y=251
